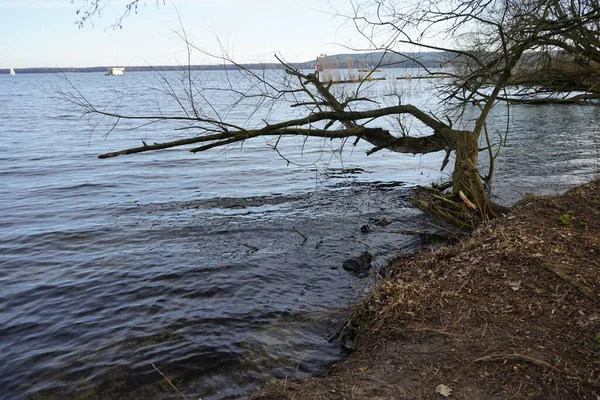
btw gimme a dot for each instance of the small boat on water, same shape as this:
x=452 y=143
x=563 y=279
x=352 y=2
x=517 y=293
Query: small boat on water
x=12 y=72
x=116 y=71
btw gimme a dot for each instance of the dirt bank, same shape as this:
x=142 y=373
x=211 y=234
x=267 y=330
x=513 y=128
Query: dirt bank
x=512 y=312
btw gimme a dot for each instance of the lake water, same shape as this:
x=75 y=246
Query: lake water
x=197 y=264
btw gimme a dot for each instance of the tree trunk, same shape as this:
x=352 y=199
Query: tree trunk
x=466 y=178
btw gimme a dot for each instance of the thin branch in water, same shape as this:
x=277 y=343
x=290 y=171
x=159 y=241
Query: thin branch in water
x=300 y=233
x=168 y=381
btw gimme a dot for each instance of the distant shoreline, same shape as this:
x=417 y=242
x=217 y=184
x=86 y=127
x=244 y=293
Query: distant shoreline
x=356 y=60
x=142 y=68
x=166 y=68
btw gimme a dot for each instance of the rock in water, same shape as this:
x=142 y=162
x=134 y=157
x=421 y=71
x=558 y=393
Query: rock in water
x=384 y=222
x=359 y=265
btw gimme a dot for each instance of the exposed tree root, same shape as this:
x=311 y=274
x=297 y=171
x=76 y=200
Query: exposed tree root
x=445 y=208
x=514 y=357
x=562 y=275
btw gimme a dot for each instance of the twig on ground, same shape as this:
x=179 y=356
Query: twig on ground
x=431 y=235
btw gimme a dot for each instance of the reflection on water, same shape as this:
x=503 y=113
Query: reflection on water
x=198 y=264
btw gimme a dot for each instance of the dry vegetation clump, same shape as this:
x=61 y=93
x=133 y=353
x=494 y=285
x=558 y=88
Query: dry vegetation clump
x=512 y=312
x=560 y=73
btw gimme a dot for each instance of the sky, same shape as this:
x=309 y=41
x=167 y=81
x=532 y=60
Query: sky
x=43 y=33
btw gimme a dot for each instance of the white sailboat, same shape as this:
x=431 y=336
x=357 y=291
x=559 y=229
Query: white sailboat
x=12 y=72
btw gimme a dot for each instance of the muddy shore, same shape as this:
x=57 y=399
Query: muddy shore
x=511 y=312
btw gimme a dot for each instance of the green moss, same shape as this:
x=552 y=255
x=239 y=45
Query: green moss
x=565 y=219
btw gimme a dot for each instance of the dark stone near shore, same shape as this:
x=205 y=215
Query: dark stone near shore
x=365 y=229
x=359 y=265
x=384 y=222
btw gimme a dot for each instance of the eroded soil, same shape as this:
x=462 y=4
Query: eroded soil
x=512 y=312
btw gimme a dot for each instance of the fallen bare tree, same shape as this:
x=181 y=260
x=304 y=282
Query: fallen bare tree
x=485 y=42
x=326 y=116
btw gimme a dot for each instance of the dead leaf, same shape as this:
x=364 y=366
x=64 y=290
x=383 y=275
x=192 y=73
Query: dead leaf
x=444 y=390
